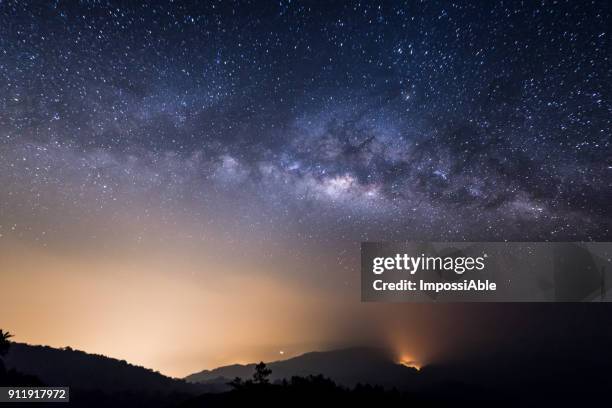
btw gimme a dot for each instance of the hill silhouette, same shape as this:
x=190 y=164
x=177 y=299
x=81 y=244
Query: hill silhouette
x=556 y=375
x=96 y=380
x=347 y=367
x=547 y=377
x=90 y=371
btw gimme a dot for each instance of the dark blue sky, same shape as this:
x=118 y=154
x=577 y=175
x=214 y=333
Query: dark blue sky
x=397 y=110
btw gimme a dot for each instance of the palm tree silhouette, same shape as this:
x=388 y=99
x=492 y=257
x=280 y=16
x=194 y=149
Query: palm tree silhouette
x=5 y=344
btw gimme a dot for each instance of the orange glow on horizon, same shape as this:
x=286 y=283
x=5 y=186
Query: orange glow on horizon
x=163 y=313
x=408 y=361
x=411 y=364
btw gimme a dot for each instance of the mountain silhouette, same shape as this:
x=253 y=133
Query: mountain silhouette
x=84 y=371
x=554 y=375
x=347 y=367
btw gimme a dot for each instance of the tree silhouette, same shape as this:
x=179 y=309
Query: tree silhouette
x=261 y=374
x=236 y=383
x=5 y=344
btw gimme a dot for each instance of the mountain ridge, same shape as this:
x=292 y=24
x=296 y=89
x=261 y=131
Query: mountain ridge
x=348 y=367
x=87 y=371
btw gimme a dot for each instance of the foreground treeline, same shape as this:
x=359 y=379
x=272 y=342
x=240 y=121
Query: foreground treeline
x=316 y=389
x=297 y=391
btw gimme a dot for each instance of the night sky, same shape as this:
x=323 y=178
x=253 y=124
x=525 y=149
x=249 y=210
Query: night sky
x=167 y=166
